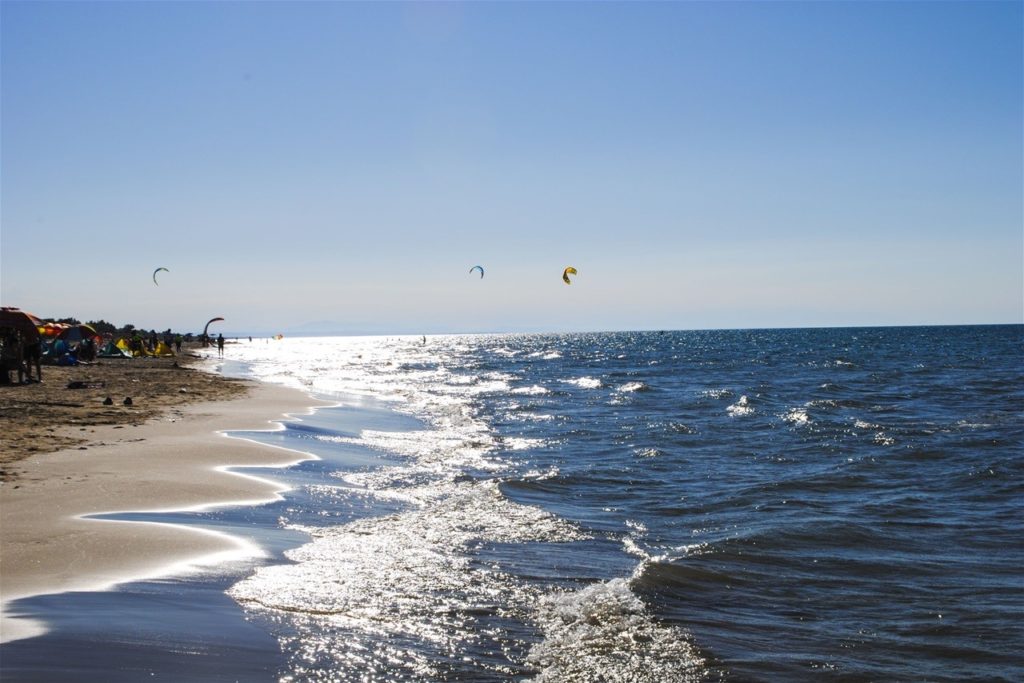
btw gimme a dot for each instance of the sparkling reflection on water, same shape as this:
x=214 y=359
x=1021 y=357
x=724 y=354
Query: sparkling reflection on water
x=791 y=505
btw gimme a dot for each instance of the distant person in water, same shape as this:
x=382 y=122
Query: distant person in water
x=220 y=344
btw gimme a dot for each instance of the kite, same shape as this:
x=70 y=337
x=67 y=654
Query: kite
x=480 y=268
x=212 y=320
x=566 y=273
x=157 y=271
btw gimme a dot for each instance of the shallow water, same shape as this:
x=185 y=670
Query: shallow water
x=835 y=504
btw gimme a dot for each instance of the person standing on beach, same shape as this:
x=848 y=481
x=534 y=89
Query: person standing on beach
x=33 y=354
x=12 y=356
x=220 y=344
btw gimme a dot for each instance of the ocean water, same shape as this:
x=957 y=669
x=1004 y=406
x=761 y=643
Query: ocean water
x=777 y=505
x=749 y=505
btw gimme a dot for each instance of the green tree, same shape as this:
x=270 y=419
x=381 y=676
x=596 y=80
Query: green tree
x=102 y=326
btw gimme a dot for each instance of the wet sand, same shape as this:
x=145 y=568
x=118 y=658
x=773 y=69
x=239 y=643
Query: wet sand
x=66 y=455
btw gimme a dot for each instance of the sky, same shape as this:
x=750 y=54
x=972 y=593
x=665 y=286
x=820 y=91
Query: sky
x=340 y=166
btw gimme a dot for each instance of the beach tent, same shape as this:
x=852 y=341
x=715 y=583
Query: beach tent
x=74 y=334
x=162 y=349
x=126 y=346
x=112 y=350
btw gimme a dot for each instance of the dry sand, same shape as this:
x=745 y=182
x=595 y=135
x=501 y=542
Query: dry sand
x=63 y=410
x=65 y=455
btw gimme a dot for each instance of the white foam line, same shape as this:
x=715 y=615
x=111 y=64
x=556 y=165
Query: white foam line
x=19 y=627
x=16 y=626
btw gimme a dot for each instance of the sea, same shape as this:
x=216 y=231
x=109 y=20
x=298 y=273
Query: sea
x=737 y=505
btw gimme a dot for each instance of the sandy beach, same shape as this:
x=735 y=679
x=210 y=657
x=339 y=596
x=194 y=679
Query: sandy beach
x=66 y=455
x=64 y=409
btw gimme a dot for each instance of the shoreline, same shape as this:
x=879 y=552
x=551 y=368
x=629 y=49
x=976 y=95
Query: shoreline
x=53 y=544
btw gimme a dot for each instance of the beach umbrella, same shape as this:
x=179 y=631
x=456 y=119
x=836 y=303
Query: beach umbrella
x=23 y=321
x=54 y=330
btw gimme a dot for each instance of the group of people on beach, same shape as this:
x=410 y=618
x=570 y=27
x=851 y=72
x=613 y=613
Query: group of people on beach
x=141 y=342
x=19 y=353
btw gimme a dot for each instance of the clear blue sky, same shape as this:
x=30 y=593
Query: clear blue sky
x=701 y=164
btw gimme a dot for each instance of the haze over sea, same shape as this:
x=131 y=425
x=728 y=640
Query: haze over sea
x=746 y=505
